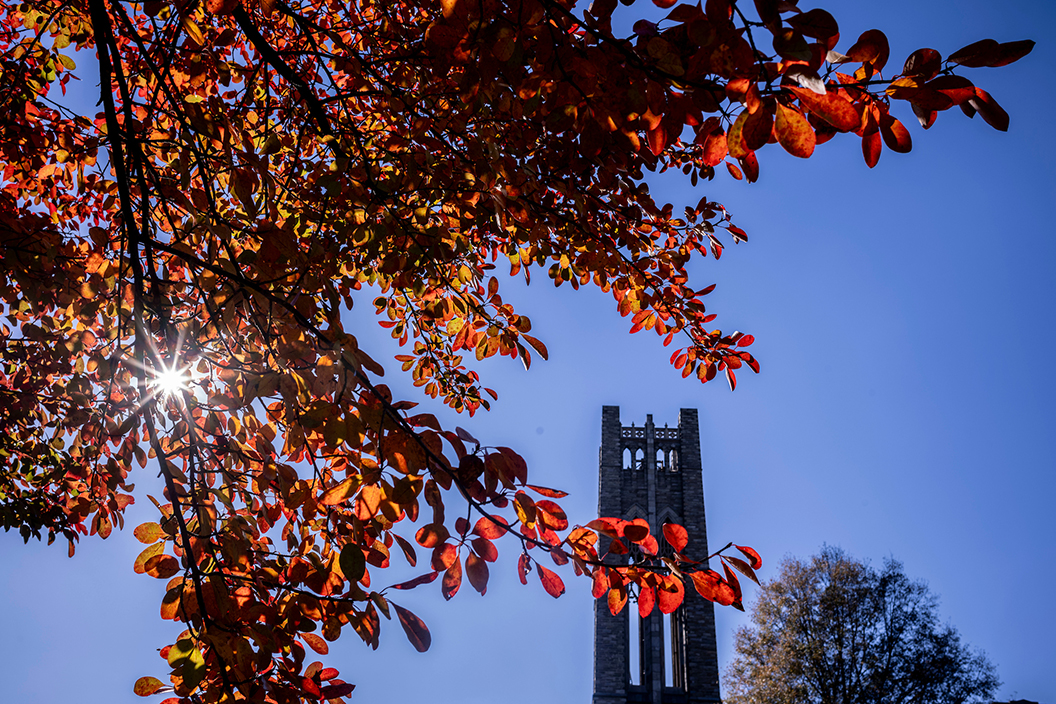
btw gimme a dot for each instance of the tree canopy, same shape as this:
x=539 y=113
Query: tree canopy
x=176 y=265
x=834 y=629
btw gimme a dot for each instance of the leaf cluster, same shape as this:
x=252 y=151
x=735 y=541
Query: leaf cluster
x=256 y=168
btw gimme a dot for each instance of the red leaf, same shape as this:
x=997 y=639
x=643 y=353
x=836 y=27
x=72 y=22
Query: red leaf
x=477 y=572
x=742 y=567
x=923 y=63
x=336 y=691
x=715 y=149
x=1010 y=52
x=649 y=545
x=316 y=643
x=524 y=566
x=734 y=583
x=895 y=135
x=871 y=47
x=553 y=516
x=734 y=171
x=636 y=531
x=670 y=595
x=646 y=600
x=712 y=587
x=617 y=600
x=452 y=579
x=600 y=582
x=676 y=536
x=415 y=629
x=757 y=129
x=664 y=3
x=993 y=113
x=988 y=52
x=491 y=527
x=753 y=557
x=426 y=578
x=444 y=556
x=816 y=23
x=486 y=549
x=871 y=148
x=794 y=133
x=551 y=582
x=830 y=107
x=957 y=88
x=751 y=167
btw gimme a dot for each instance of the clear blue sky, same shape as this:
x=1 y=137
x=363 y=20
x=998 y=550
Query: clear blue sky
x=905 y=408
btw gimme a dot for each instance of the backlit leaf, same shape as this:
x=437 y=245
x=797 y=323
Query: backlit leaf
x=148 y=533
x=317 y=644
x=146 y=686
x=676 y=536
x=551 y=582
x=794 y=133
x=712 y=587
x=415 y=628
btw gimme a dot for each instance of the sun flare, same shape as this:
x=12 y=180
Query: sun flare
x=169 y=381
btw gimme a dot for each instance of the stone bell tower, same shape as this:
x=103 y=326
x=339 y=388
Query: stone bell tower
x=655 y=474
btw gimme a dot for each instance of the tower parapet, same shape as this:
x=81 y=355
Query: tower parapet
x=655 y=474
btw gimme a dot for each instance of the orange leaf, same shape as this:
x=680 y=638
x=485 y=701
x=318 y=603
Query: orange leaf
x=735 y=138
x=830 y=107
x=145 y=686
x=551 y=493
x=340 y=493
x=316 y=643
x=148 y=533
x=794 y=133
x=670 y=595
x=600 y=582
x=712 y=587
x=551 y=582
x=140 y=565
x=617 y=600
x=646 y=600
x=415 y=629
x=491 y=527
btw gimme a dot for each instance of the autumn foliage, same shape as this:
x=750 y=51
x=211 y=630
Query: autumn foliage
x=176 y=261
